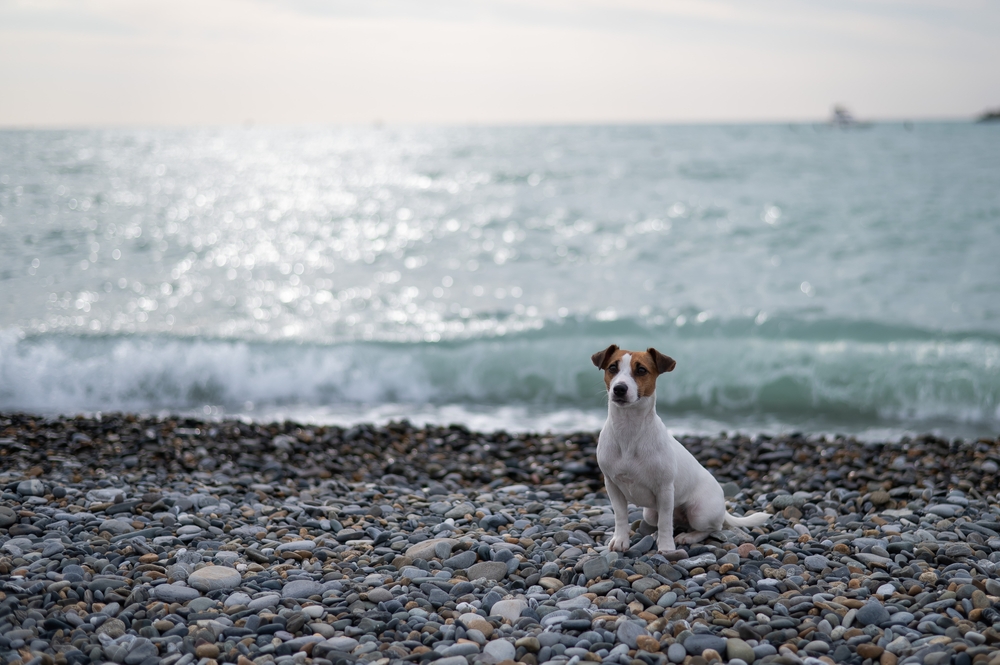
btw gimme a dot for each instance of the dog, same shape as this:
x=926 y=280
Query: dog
x=645 y=465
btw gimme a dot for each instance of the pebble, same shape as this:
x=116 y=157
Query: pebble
x=499 y=650
x=287 y=544
x=211 y=578
x=872 y=613
x=173 y=593
x=490 y=570
x=508 y=609
x=676 y=653
x=696 y=644
x=629 y=632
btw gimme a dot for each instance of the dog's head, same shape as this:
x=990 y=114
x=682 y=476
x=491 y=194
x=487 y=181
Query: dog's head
x=631 y=375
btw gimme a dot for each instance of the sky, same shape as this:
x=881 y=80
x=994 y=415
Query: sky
x=68 y=63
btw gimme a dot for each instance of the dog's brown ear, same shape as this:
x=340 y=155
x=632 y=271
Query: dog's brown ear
x=601 y=359
x=663 y=363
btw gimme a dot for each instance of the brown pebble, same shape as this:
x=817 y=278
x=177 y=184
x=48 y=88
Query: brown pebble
x=791 y=513
x=711 y=656
x=485 y=627
x=207 y=651
x=880 y=497
x=647 y=643
x=745 y=549
x=888 y=658
x=869 y=650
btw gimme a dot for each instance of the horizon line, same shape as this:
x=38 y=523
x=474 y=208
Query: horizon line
x=378 y=123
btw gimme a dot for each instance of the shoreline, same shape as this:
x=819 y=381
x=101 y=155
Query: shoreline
x=158 y=541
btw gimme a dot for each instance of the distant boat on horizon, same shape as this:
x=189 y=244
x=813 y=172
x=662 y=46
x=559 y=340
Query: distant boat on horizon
x=844 y=119
x=989 y=115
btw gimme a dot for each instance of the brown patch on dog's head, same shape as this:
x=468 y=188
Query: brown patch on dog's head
x=643 y=367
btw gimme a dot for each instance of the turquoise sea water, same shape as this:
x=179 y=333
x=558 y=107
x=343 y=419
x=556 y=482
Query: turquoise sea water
x=803 y=277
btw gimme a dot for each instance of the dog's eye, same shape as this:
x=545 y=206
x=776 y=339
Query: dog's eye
x=640 y=370
x=613 y=368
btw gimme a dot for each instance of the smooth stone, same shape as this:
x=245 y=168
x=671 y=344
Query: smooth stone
x=211 y=578
x=783 y=501
x=499 y=651
x=737 y=648
x=700 y=561
x=491 y=570
x=172 y=593
x=452 y=660
x=668 y=599
x=201 y=604
x=115 y=527
x=345 y=644
x=871 y=613
x=32 y=487
x=696 y=644
x=301 y=589
x=426 y=549
x=595 y=568
x=140 y=650
x=238 y=598
x=676 y=653
x=113 y=628
x=7 y=517
x=900 y=619
x=264 y=602
x=886 y=590
x=644 y=584
x=460 y=510
x=207 y=651
x=461 y=649
x=628 y=631
x=898 y=645
x=379 y=595
x=508 y=609
x=296 y=546
x=816 y=563
x=462 y=560
x=314 y=611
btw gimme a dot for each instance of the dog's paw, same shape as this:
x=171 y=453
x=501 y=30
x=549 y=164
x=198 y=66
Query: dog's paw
x=618 y=543
x=666 y=547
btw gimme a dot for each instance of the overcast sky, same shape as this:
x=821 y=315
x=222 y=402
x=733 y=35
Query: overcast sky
x=184 y=62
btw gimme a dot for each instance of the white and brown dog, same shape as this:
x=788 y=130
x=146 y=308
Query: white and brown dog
x=643 y=464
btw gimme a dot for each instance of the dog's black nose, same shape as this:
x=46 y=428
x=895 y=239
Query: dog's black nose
x=620 y=390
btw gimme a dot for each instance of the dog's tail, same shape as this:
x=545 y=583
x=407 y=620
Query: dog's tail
x=753 y=519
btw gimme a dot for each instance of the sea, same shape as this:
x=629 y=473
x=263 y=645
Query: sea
x=805 y=278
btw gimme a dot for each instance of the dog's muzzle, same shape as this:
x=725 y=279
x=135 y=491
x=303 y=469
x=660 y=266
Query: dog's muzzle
x=619 y=392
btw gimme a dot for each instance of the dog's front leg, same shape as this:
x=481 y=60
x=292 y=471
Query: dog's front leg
x=665 y=522
x=620 y=540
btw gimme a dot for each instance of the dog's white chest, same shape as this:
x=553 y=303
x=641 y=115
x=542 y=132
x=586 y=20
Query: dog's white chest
x=632 y=475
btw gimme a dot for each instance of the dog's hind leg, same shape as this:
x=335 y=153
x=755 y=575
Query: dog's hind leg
x=704 y=517
x=691 y=537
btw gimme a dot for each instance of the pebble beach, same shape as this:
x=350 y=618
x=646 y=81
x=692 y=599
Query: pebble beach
x=171 y=541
